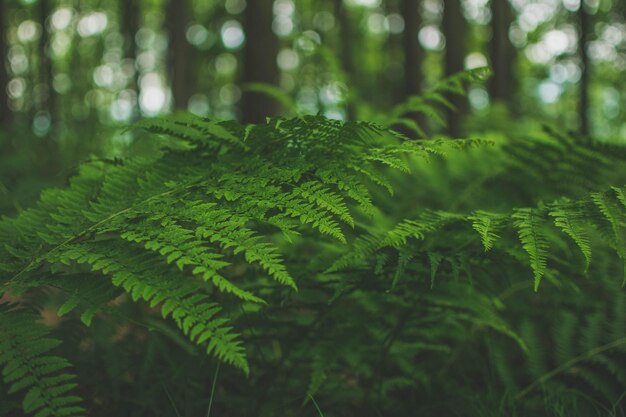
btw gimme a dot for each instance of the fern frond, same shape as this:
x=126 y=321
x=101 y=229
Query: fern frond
x=529 y=224
x=403 y=259
x=138 y=275
x=488 y=226
x=318 y=376
x=615 y=216
x=570 y=219
x=435 y=261
x=536 y=353
x=427 y=222
x=621 y=195
x=28 y=366
x=192 y=128
x=87 y=294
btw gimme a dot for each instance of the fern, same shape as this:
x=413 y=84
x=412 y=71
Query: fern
x=594 y=360
x=277 y=249
x=529 y=225
x=432 y=102
x=614 y=215
x=571 y=221
x=488 y=226
x=28 y=366
x=201 y=218
x=572 y=217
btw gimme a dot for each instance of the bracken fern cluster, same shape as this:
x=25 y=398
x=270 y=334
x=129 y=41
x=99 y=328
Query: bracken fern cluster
x=279 y=249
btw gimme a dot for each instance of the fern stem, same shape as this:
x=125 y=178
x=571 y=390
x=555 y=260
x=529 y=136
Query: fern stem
x=317 y=407
x=217 y=370
x=169 y=397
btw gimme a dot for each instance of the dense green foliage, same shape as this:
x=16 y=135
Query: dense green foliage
x=74 y=71
x=339 y=262
x=312 y=208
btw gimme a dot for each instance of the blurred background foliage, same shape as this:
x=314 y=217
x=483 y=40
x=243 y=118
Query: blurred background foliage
x=75 y=71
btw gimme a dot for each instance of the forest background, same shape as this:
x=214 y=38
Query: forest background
x=75 y=71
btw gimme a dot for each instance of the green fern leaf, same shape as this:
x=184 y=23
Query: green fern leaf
x=28 y=366
x=488 y=226
x=568 y=218
x=529 y=223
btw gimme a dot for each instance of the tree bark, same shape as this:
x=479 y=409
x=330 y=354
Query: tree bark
x=585 y=66
x=47 y=102
x=259 y=58
x=454 y=30
x=413 y=59
x=344 y=31
x=501 y=86
x=179 y=53
x=129 y=13
x=5 y=112
x=413 y=52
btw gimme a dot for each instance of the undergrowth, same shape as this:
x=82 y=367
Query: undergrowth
x=333 y=267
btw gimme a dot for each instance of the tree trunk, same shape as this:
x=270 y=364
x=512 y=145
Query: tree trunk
x=583 y=104
x=454 y=30
x=48 y=151
x=179 y=53
x=259 y=58
x=413 y=59
x=413 y=53
x=501 y=86
x=345 y=51
x=5 y=112
x=129 y=13
x=47 y=99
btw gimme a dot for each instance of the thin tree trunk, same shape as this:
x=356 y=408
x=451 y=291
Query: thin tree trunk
x=48 y=152
x=179 y=53
x=413 y=58
x=46 y=69
x=413 y=53
x=345 y=50
x=259 y=58
x=5 y=113
x=130 y=12
x=583 y=104
x=501 y=86
x=454 y=29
